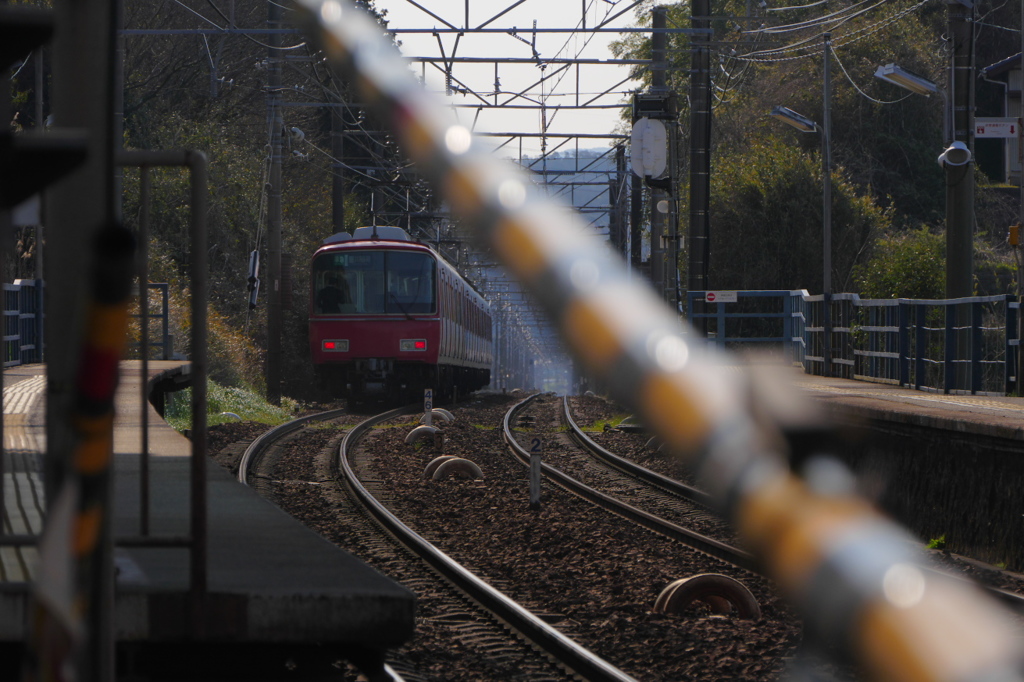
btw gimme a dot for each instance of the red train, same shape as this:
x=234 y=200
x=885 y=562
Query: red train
x=389 y=317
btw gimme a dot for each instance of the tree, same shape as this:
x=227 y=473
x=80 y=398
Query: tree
x=905 y=265
x=767 y=206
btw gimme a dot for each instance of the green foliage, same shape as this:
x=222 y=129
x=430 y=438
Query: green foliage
x=767 y=205
x=937 y=543
x=247 y=404
x=905 y=265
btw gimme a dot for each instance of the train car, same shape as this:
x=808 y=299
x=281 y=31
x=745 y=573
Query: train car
x=388 y=317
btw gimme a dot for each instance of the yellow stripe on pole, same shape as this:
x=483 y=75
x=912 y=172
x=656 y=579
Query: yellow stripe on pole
x=107 y=327
x=87 y=530
x=92 y=456
x=517 y=249
x=589 y=334
x=671 y=407
x=462 y=188
x=943 y=633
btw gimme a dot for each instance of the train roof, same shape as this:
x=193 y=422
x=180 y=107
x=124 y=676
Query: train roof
x=373 y=233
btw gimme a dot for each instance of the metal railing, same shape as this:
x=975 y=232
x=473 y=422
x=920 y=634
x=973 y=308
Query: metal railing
x=162 y=316
x=22 y=323
x=964 y=345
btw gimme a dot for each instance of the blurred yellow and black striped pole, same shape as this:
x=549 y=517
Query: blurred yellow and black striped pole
x=69 y=592
x=856 y=577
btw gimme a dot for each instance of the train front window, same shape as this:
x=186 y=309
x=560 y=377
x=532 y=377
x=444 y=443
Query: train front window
x=410 y=282
x=373 y=282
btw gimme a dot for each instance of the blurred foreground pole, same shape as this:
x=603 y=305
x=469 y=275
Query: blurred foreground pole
x=90 y=259
x=857 y=579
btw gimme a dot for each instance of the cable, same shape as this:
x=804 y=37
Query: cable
x=857 y=88
x=232 y=25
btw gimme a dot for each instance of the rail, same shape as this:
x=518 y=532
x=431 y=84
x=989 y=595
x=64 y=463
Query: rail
x=963 y=345
x=568 y=653
x=854 y=575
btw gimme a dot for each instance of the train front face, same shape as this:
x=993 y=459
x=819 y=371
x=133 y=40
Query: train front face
x=374 y=328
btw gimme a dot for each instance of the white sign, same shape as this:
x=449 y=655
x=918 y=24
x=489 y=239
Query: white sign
x=996 y=127
x=648 y=148
x=721 y=297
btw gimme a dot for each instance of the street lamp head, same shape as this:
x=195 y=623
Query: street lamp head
x=891 y=73
x=798 y=121
x=957 y=154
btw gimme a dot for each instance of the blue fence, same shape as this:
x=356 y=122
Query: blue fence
x=22 y=322
x=966 y=345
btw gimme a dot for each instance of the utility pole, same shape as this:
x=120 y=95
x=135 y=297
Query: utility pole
x=659 y=197
x=700 y=151
x=274 y=123
x=960 y=178
x=338 y=118
x=826 y=207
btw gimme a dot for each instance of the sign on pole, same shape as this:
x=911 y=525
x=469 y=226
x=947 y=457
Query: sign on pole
x=721 y=297
x=999 y=126
x=536 y=448
x=428 y=405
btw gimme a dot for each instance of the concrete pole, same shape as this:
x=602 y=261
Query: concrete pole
x=700 y=160
x=700 y=149
x=826 y=206
x=658 y=196
x=274 y=315
x=960 y=179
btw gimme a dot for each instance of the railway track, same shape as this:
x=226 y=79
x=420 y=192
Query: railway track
x=666 y=505
x=1012 y=599
x=486 y=617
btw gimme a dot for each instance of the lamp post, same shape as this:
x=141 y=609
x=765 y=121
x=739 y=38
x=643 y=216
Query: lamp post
x=957 y=162
x=806 y=125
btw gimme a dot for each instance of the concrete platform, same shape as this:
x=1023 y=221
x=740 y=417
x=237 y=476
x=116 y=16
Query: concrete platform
x=273 y=585
x=989 y=416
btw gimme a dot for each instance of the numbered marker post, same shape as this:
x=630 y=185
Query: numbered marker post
x=428 y=405
x=536 y=449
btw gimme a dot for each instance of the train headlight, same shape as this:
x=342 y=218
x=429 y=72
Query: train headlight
x=413 y=344
x=334 y=345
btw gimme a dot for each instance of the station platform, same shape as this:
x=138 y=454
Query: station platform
x=276 y=591
x=1000 y=417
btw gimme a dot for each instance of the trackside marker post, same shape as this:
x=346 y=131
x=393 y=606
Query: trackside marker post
x=428 y=405
x=536 y=449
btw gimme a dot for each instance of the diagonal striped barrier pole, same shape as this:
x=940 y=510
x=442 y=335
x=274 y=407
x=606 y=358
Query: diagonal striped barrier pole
x=856 y=577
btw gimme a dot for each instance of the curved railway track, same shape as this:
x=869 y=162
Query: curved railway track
x=568 y=599
x=624 y=485
x=574 y=660
x=1012 y=599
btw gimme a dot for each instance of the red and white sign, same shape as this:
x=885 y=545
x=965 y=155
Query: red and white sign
x=996 y=127
x=720 y=297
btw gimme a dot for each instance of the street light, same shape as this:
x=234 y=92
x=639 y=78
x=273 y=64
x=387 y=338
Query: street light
x=798 y=121
x=897 y=75
x=806 y=125
x=957 y=162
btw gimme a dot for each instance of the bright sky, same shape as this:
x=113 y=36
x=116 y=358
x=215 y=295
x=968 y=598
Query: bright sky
x=524 y=79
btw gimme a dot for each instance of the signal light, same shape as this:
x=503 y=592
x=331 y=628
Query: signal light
x=413 y=344
x=334 y=345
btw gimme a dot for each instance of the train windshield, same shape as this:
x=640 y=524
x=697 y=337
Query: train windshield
x=374 y=282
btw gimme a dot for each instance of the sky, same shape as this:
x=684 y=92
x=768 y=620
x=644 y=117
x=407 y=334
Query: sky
x=522 y=79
